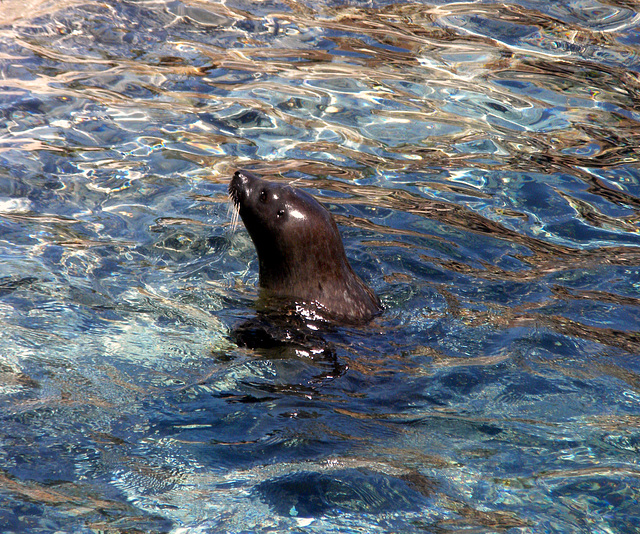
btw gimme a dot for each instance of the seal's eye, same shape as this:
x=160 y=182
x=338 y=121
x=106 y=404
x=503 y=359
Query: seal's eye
x=280 y=214
x=263 y=196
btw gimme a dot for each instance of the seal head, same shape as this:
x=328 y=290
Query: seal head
x=300 y=251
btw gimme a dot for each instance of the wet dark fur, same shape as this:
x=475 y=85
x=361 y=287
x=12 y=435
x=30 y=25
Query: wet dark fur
x=300 y=251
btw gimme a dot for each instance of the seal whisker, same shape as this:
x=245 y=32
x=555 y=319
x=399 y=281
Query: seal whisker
x=233 y=209
x=235 y=217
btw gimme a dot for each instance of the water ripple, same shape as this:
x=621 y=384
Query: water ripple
x=482 y=162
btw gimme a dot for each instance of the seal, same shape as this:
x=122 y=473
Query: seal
x=300 y=251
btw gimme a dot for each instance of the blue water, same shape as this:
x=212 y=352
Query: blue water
x=483 y=163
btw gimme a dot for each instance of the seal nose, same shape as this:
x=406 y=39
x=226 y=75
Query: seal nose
x=241 y=177
x=245 y=177
x=241 y=184
x=238 y=186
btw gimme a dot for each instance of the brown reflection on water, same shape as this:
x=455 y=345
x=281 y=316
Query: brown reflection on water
x=543 y=257
x=527 y=317
x=78 y=499
x=387 y=50
x=420 y=52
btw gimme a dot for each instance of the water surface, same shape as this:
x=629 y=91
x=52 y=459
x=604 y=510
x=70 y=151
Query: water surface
x=483 y=163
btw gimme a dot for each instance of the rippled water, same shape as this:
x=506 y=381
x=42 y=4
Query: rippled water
x=483 y=162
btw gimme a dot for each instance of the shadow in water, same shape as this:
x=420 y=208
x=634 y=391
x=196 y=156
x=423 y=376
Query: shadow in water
x=312 y=494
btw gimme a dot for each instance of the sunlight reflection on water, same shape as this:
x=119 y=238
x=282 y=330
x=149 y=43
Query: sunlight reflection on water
x=482 y=162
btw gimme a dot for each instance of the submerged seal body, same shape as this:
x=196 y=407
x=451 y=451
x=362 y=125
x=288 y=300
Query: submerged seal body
x=300 y=251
